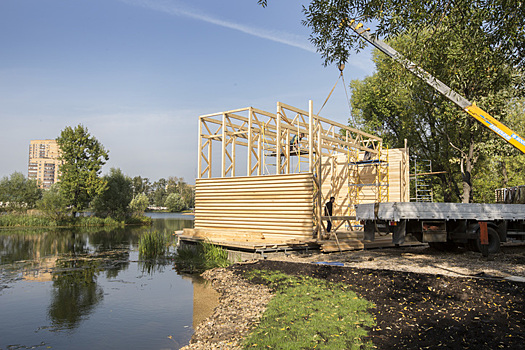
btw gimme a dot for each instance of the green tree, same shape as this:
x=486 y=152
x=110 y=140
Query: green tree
x=158 y=192
x=82 y=157
x=114 y=201
x=53 y=204
x=141 y=185
x=18 y=192
x=139 y=204
x=175 y=203
x=397 y=106
x=500 y=22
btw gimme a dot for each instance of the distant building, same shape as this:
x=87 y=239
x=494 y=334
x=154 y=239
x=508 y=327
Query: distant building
x=43 y=162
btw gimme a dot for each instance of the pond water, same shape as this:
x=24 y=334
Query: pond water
x=87 y=289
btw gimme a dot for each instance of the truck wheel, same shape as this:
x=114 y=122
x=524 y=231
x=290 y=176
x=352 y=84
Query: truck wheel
x=494 y=241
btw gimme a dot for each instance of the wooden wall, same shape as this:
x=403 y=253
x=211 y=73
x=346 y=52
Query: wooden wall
x=335 y=181
x=272 y=208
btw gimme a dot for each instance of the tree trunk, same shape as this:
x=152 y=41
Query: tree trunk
x=467 y=164
x=504 y=173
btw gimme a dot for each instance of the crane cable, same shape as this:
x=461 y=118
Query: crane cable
x=341 y=75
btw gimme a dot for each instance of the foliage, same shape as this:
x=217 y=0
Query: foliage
x=308 y=313
x=501 y=166
x=19 y=193
x=397 y=106
x=114 y=201
x=139 y=204
x=174 y=203
x=159 y=191
x=204 y=256
x=53 y=204
x=153 y=245
x=25 y=220
x=499 y=22
x=82 y=157
x=140 y=185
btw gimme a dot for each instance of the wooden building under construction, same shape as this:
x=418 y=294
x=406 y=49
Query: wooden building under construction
x=264 y=178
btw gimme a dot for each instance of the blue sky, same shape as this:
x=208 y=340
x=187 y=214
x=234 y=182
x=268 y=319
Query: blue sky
x=138 y=73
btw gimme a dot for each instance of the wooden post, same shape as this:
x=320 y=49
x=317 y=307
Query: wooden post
x=223 y=171
x=250 y=142
x=260 y=153
x=278 y=141
x=199 y=161
x=319 y=177
x=209 y=158
x=310 y=136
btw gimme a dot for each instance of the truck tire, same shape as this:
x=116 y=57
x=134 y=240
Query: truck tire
x=494 y=242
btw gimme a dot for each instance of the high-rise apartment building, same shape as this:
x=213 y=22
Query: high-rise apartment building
x=43 y=162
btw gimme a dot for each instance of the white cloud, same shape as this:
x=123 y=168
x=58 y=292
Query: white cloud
x=177 y=9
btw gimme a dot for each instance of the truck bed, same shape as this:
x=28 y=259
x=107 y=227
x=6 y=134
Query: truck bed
x=396 y=211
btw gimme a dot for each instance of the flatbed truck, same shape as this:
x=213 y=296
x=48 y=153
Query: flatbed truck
x=480 y=227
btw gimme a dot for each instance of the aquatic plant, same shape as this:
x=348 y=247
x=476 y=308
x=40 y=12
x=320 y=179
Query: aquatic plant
x=201 y=257
x=153 y=245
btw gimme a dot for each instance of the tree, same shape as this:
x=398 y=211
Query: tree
x=158 y=192
x=53 y=204
x=396 y=105
x=114 y=201
x=174 y=203
x=141 y=185
x=82 y=157
x=139 y=204
x=18 y=192
x=499 y=21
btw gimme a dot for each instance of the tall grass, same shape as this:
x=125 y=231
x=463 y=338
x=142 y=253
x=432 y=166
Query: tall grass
x=35 y=220
x=201 y=257
x=19 y=220
x=153 y=245
x=308 y=313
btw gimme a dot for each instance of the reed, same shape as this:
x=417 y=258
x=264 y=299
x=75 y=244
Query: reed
x=153 y=245
x=201 y=257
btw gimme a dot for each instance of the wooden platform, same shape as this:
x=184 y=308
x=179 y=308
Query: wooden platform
x=348 y=241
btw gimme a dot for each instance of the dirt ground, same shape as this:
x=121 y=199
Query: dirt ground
x=424 y=299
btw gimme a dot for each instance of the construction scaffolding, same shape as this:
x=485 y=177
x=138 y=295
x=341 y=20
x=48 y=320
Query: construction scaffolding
x=276 y=171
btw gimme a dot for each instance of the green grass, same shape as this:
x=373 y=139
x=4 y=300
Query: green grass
x=153 y=245
x=35 y=220
x=203 y=256
x=308 y=313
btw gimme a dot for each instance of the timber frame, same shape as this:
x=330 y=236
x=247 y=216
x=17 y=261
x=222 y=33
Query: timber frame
x=259 y=181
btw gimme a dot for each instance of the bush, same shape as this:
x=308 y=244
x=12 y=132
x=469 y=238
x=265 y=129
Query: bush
x=139 y=204
x=53 y=204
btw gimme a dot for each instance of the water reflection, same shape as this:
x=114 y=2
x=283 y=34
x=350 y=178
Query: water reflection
x=75 y=291
x=84 y=288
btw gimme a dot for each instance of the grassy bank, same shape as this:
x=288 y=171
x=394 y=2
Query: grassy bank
x=35 y=220
x=308 y=313
x=203 y=256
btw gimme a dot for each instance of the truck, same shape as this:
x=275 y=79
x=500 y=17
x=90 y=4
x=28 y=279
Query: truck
x=480 y=227
x=445 y=225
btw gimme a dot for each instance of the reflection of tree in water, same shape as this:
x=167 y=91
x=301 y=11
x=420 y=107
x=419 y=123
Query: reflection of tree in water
x=76 y=292
x=31 y=244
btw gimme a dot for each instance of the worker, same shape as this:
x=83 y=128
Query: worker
x=294 y=143
x=328 y=209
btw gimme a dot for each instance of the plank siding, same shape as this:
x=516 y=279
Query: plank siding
x=274 y=208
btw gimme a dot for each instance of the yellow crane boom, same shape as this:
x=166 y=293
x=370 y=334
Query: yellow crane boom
x=480 y=115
